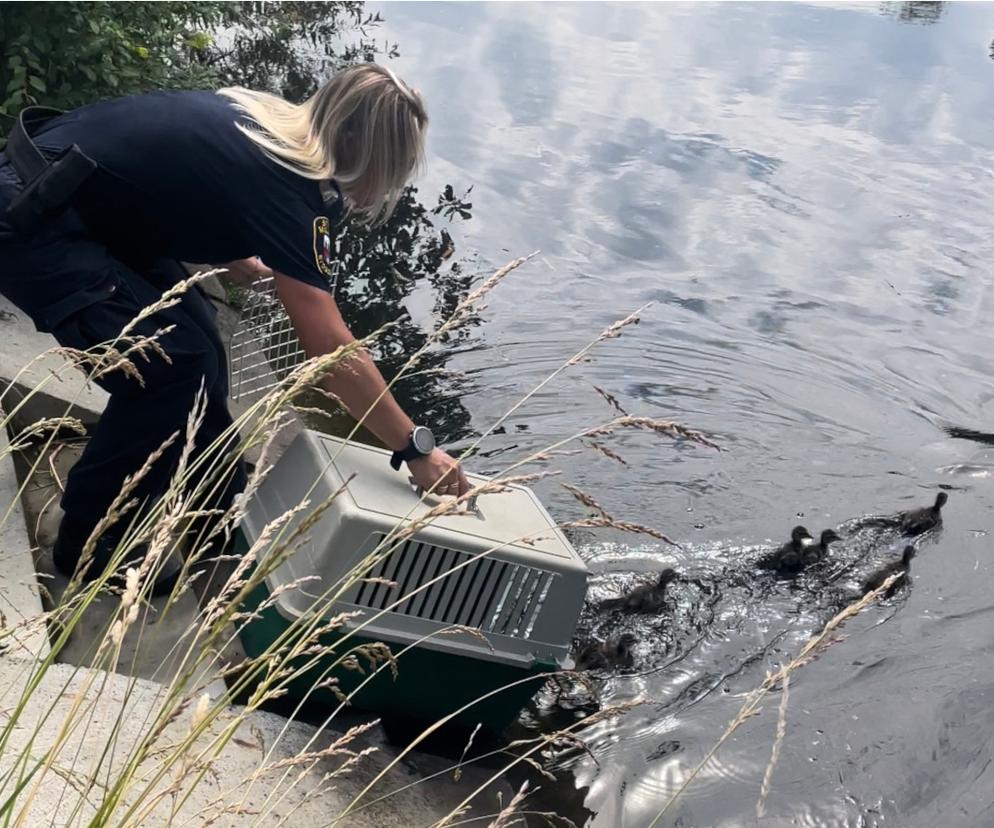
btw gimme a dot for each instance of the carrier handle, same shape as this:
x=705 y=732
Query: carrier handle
x=472 y=506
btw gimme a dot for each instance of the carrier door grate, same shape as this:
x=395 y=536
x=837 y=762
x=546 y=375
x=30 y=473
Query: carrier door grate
x=264 y=349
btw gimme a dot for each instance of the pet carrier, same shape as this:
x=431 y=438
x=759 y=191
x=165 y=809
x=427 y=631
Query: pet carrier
x=471 y=604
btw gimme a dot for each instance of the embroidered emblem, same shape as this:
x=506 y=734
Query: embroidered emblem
x=323 y=252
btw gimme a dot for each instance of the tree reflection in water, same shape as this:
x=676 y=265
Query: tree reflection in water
x=380 y=268
x=923 y=13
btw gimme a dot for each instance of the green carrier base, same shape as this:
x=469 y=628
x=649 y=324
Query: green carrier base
x=429 y=685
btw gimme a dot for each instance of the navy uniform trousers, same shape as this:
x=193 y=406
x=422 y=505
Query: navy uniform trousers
x=76 y=288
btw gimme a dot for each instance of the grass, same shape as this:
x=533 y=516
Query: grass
x=113 y=761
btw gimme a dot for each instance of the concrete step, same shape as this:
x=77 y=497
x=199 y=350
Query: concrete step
x=20 y=597
x=253 y=777
x=42 y=383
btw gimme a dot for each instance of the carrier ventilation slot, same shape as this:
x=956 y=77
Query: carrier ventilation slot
x=484 y=593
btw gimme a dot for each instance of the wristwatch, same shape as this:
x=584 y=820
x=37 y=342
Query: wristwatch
x=421 y=444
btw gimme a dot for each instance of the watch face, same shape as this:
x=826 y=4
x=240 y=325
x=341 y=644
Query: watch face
x=423 y=439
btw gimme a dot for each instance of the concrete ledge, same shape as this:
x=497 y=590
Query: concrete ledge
x=20 y=343
x=20 y=598
x=242 y=775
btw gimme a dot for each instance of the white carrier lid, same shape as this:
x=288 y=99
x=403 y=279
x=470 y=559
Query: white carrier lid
x=499 y=518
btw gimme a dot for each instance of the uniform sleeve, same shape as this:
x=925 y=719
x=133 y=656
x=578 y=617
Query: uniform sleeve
x=294 y=240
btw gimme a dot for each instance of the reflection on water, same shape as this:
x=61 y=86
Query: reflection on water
x=803 y=192
x=923 y=13
x=382 y=268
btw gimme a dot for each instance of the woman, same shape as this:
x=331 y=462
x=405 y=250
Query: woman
x=98 y=205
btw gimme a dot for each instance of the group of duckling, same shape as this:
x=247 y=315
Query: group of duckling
x=800 y=552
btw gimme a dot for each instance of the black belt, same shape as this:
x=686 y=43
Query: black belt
x=49 y=185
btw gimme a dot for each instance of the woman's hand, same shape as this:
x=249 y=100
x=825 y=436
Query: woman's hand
x=439 y=468
x=245 y=272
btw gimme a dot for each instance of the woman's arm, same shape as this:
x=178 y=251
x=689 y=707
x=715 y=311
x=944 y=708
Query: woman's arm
x=359 y=384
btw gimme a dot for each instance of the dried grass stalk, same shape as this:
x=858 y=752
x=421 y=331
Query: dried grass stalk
x=470 y=304
x=170 y=298
x=612 y=331
x=812 y=648
x=508 y=814
x=764 y=790
x=621 y=526
x=602 y=520
x=611 y=400
x=669 y=428
x=611 y=455
x=586 y=499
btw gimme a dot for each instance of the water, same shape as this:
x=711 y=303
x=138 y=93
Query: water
x=803 y=193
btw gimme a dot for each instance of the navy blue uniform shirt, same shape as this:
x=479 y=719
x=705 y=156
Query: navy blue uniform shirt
x=178 y=179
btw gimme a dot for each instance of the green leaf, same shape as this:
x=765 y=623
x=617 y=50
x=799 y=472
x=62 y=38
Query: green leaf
x=38 y=83
x=199 y=41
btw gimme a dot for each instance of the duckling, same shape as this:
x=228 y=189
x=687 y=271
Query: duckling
x=914 y=521
x=789 y=551
x=645 y=597
x=615 y=652
x=815 y=552
x=918 y=521
x=791 y=562
x=876 y=579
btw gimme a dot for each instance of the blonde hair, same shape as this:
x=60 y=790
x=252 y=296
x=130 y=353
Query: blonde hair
x=364 y=128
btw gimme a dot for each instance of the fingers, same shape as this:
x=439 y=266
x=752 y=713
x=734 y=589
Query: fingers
x=454 y=483
x=450 y=485
x=455 y=489
x=443 y=485
x=449 y=479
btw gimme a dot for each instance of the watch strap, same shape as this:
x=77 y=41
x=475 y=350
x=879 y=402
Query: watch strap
x=405 y=455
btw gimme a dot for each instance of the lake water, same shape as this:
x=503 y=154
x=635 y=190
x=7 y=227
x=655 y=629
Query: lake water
x=805 y=195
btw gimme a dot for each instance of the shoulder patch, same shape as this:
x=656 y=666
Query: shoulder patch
x=323 y=254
